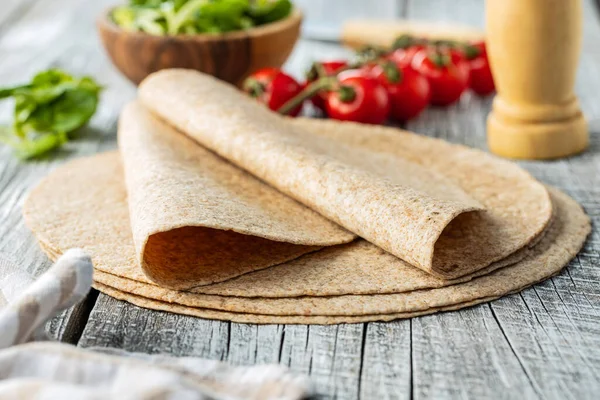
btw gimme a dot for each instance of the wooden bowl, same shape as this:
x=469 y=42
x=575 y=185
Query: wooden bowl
x=230 y=56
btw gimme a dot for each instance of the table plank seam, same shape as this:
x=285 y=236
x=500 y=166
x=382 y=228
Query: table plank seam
x=281 y=341
x=411 y=368
x=226 y=353
x=362 y=357
x=71 y=332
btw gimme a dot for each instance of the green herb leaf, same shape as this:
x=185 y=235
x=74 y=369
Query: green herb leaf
x=125 y=18
x=46 y=110
x=34 y=147
x=265 y=11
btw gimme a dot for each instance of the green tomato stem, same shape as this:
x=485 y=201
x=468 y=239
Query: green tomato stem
x=392 y=72
x=439 y=59
x=347 y=93
x=403 y=42
x=308 y=92
x=470 y=51
x=253 y=87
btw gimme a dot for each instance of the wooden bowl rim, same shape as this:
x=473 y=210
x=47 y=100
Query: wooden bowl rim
x=106 y=23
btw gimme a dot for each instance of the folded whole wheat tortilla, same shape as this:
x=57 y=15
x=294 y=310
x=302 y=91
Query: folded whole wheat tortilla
x=196 y=219
x=414 y=213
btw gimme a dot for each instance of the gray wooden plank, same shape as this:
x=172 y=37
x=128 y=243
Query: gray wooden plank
x=387 y=361
x=12 y=11
x=464 y=355
x=331 y=355
x=587 y=84
x=331 y=11
x=335 y=359
x=114 y=323
x=68 y=326
x=255 y=344
x=591 y=26
x=324 y=18
x=470 y=12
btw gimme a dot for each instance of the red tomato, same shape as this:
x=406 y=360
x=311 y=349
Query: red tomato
x=482 y=81
x=359 y=99
x=369 y=69
x=404 y=57
x=322 y=69
x=447 y=73
x=273 y=87
x=409 y=91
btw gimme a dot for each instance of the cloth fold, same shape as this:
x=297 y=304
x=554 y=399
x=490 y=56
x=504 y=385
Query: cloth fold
x=66 y=283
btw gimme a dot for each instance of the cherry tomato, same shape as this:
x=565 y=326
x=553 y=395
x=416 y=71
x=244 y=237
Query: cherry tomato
x=404 y=57
x=273 y=87
x=447 y=72
x=359 y=98
x=482 y=81
x=369 y=69
x=409 y=91
x=322 y=69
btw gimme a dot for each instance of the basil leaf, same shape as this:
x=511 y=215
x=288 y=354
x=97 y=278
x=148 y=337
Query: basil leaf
x=47 y=109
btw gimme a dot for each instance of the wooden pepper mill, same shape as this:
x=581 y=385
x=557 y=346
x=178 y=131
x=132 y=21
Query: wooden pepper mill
x=534 y=47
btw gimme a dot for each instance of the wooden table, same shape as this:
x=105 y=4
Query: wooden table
x=541 y=343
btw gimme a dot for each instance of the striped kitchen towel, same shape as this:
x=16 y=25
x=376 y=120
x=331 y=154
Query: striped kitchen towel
x=46 y=370
x=31 y=303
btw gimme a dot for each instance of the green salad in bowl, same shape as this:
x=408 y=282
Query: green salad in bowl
x=190 y=17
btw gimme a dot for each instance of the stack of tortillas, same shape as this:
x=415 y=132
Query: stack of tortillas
x=216 y=207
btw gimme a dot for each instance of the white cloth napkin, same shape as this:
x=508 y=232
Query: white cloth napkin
x=46 y=370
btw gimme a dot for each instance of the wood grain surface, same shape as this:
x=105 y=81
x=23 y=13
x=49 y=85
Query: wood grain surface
x=543 y=343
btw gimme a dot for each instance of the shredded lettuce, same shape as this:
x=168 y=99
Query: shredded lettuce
x=173 y=17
